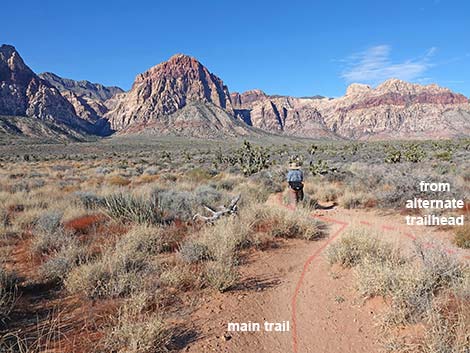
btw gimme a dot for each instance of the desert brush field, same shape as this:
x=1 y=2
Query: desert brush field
x=106 y=247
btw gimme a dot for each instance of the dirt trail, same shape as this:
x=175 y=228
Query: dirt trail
x=294 y=283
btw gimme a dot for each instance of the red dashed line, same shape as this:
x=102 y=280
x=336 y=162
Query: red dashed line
x=304 y=271
x=315 y=255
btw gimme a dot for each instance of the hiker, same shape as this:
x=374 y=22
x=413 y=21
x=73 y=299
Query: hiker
x=295 y=178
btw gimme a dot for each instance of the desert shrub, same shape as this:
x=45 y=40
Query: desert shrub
x=447 y=326
x=229 y=184
x=137 y=330
x=118 y=180
x=180 y=276
x=49 y=222
x=280 y=222
x=198 y=174
x=221 y=275
x=225 y=238
x=8 y=282
x=414 y=153
x=411 y=283
x=351 y=199
x=119 y=272
x=355 y=246
x=144 y=239
x=329 y=193
x=177 y=204
x=89 y=200
x=57 y=267
x=268 y=181
x=251 y=159
x=192 y=251
x=207 y=195
x=132 y=208
x=297 y=224
x=462 y=236
x=43 y=243
x=151 y=171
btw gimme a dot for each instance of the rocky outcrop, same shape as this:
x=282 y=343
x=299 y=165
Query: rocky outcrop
x=397 y=109
x=82 y=88
x=23 y=93
x=394 y=109
x=166 y=88
x=281 y=114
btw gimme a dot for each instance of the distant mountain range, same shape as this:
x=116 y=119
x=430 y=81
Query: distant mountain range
x=182 y=97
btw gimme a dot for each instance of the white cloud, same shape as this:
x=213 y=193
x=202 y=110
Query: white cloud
x=375 y=65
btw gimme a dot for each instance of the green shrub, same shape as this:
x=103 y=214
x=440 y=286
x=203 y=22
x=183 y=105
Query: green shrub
x=132 y=208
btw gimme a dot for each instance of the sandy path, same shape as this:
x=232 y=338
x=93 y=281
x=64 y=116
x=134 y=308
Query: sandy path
x=329 y=316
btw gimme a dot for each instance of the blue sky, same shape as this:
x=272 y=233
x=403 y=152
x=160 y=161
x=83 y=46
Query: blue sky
x=298 y=48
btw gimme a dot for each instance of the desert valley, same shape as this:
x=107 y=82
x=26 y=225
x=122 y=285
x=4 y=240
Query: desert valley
x=159 y=219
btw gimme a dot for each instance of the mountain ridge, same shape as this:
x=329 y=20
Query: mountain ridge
x=181 y=96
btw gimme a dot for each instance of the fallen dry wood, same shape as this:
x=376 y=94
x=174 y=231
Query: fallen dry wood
x=223 y=211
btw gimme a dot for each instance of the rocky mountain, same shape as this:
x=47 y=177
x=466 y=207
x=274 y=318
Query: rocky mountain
x=182 y=97
x=24 y=94
x=393 y=110
x=81 y=88
x=88 y=99
x=167 y=88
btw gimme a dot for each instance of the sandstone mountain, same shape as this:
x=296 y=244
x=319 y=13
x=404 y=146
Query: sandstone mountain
x=181 y=97
x=393 y=110
x=24 y=94
x=81 y=88
x=167 y=88
x=88 y=99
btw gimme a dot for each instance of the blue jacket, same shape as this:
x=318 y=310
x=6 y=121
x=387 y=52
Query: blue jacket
x=295 y=175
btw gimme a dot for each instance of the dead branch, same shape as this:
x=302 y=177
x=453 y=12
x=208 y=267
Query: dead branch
x=224 y=211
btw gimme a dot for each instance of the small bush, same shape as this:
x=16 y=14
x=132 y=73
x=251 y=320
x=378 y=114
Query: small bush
x=180 y=277
x=49 y=222
x=221 y=275
x=177 y=204
x=132 y=208
x=351 y=200
x=57 y=267
x=89 y=200
x=44 y=243
x=8 y=282
x=117 y=180
x=207 y=195
x=355 y=246
x=225 y=238
x=192 y=251
x=462 y=236
x=120 y=272
x=137 y=331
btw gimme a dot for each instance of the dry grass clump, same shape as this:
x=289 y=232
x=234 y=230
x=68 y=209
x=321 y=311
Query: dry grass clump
x=121 y=270
x=176 y=204
x=329 y=193
x=462 y=236
x=7 y=293
x=280 y=222
x=351 y=199
x=180 y=276
x=357 y=245
x=137 y=330
x=132 y=208
x=58 y=266
x=117 y=180
x=222 y=274
x=417 y=286
x=192 y=251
